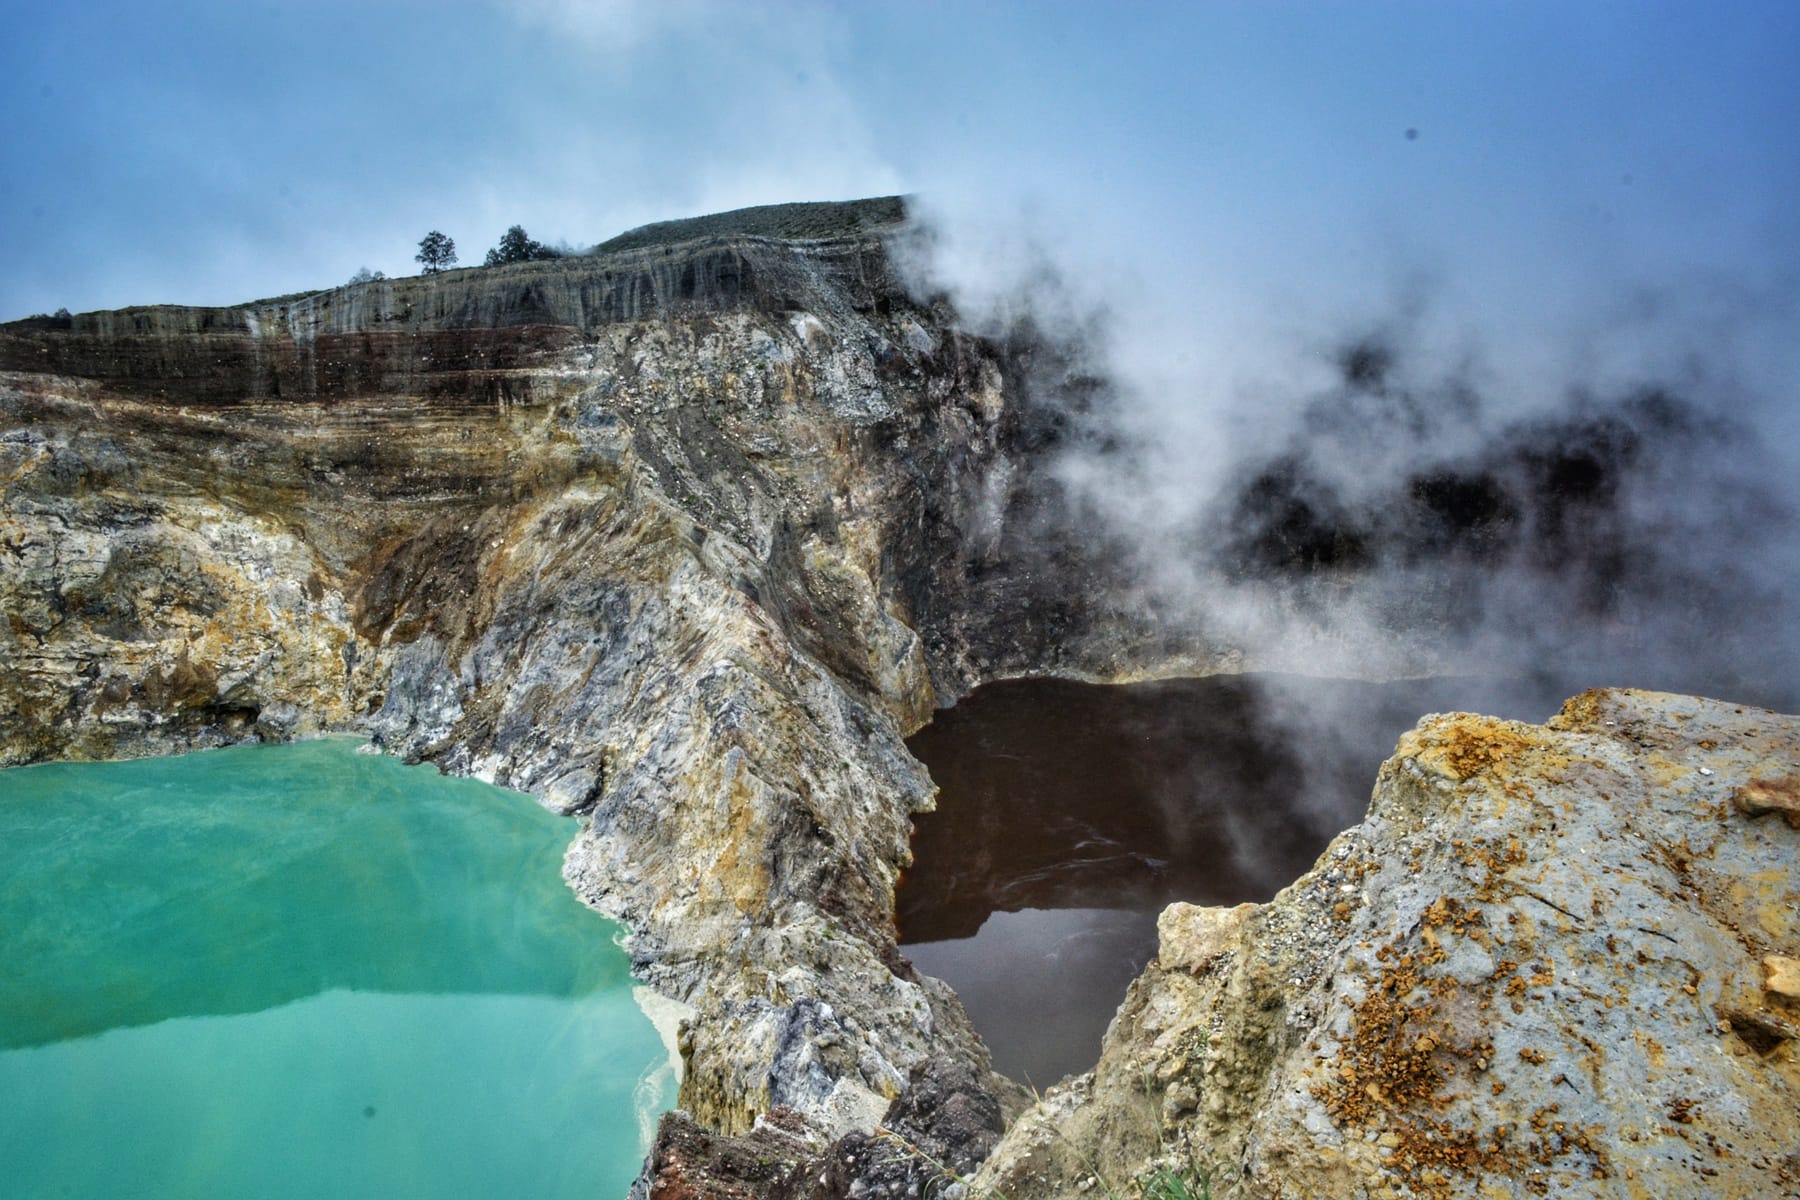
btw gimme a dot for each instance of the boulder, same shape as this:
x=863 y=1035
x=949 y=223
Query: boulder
x=1554 y=960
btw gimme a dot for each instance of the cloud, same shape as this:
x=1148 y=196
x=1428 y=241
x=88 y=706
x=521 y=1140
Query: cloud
x=696 y=106
x=1390 y=497
x=618 y=24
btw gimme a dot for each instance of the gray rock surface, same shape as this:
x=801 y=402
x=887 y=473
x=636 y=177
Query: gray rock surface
x=1539 y=967
x=683 y=538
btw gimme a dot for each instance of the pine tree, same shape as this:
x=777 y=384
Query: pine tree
x=436 y=251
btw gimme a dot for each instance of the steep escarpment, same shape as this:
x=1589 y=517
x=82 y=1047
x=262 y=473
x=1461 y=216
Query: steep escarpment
x=459 y=335
x=683 y=538
x=1554 y=960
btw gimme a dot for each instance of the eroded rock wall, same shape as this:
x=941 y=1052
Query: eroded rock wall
x=472 y=335
x=684 y=539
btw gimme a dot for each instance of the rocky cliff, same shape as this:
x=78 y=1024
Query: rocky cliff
x=1555 y=960
x=684 y=537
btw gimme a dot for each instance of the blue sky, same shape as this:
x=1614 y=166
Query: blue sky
x=1238 y=159
x=1598 y=197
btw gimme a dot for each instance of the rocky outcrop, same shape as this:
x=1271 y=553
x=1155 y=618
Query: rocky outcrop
x=471 y=336
x=683 y=537
x=1554 y=960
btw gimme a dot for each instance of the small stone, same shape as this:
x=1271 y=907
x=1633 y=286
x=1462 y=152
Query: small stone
x=1190 y=937
x=1780 y=795
x=1781 y=975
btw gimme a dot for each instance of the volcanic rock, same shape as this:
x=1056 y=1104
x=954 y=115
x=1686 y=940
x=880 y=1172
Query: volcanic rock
x=1551 y=961
x=683 y=537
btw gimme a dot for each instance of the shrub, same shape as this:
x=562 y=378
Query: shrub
x=517 y=246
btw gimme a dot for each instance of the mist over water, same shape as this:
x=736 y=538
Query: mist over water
x=1501 y=460
x=1414 y=482
x=1069 y=814
x=1494 y=526
x=304 y=971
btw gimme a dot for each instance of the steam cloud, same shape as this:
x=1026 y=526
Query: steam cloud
x=1410 y=496
x=1492 y=523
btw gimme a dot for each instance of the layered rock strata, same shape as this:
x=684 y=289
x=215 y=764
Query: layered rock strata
x=1554 y=960
x=683 y=538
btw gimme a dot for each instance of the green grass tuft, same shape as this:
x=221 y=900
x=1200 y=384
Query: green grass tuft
x=1166 y=1184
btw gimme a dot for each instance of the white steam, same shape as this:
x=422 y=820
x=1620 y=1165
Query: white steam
x=1607 y=492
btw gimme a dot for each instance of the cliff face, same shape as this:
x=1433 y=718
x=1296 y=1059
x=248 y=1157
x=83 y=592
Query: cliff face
x=470 y=335
x=1554 y=960
x=683 y=538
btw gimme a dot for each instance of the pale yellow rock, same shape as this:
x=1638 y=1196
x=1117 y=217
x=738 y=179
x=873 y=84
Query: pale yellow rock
x=1772 y=795
x=1781 y=975
x=1190 y=937
x=1338 y=1057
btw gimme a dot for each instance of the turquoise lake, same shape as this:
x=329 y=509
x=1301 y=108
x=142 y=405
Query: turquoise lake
x=305 y=971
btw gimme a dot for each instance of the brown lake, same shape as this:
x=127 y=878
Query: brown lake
x=1069 y=814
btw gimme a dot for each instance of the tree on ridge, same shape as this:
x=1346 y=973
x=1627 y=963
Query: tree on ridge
x=436 y=251
x=517 y=246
